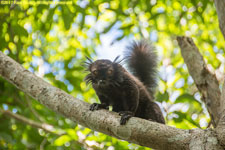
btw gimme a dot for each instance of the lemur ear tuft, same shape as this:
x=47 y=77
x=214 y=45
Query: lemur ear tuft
x=115 y=60
x=89 y=59
x=86 y=64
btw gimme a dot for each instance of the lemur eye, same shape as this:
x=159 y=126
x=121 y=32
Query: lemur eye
x=95 y=72
x=110 y=71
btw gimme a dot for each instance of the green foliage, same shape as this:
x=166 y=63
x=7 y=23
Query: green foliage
x=53 y=40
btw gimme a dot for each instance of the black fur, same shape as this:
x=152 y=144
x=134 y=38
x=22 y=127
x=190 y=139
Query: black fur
x=141 y=60
x=126 y=93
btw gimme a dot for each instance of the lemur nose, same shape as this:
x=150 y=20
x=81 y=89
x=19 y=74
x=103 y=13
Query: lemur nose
x=101 y=82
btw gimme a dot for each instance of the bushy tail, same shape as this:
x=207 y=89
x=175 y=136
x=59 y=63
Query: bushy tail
x=141 y=60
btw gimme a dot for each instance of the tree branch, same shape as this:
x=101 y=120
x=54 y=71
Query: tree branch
x=137 y=130
x=44 y=126
x=205 y=81
x=220 y=5
x=221 y=126
x=42 y=145
x=29 y=104
x=222 y=102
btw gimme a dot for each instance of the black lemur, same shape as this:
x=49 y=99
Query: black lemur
x=128 y=94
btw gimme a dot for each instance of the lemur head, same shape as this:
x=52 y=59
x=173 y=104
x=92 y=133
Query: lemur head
x=103 y=72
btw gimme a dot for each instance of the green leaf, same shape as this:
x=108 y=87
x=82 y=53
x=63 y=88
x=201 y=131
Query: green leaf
x=184 y=116
x=109 y=27
x=82 y=20
x=118 y=39
x=19 y=30
x=3 y=43
x=186 y=98
x=5 y=136
x=67 y=16
x=50 y=14
x=40 y=8
x=72 y=133
x=126 y=27
x=62 y=140
x=162 y=97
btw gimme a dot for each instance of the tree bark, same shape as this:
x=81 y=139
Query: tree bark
x=205 y=81
x=221 y=126
x=220 y=8
x=204 y=140
x=208 y=86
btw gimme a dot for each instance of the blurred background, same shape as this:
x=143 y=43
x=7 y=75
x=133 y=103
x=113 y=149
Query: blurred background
x=52 y=40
